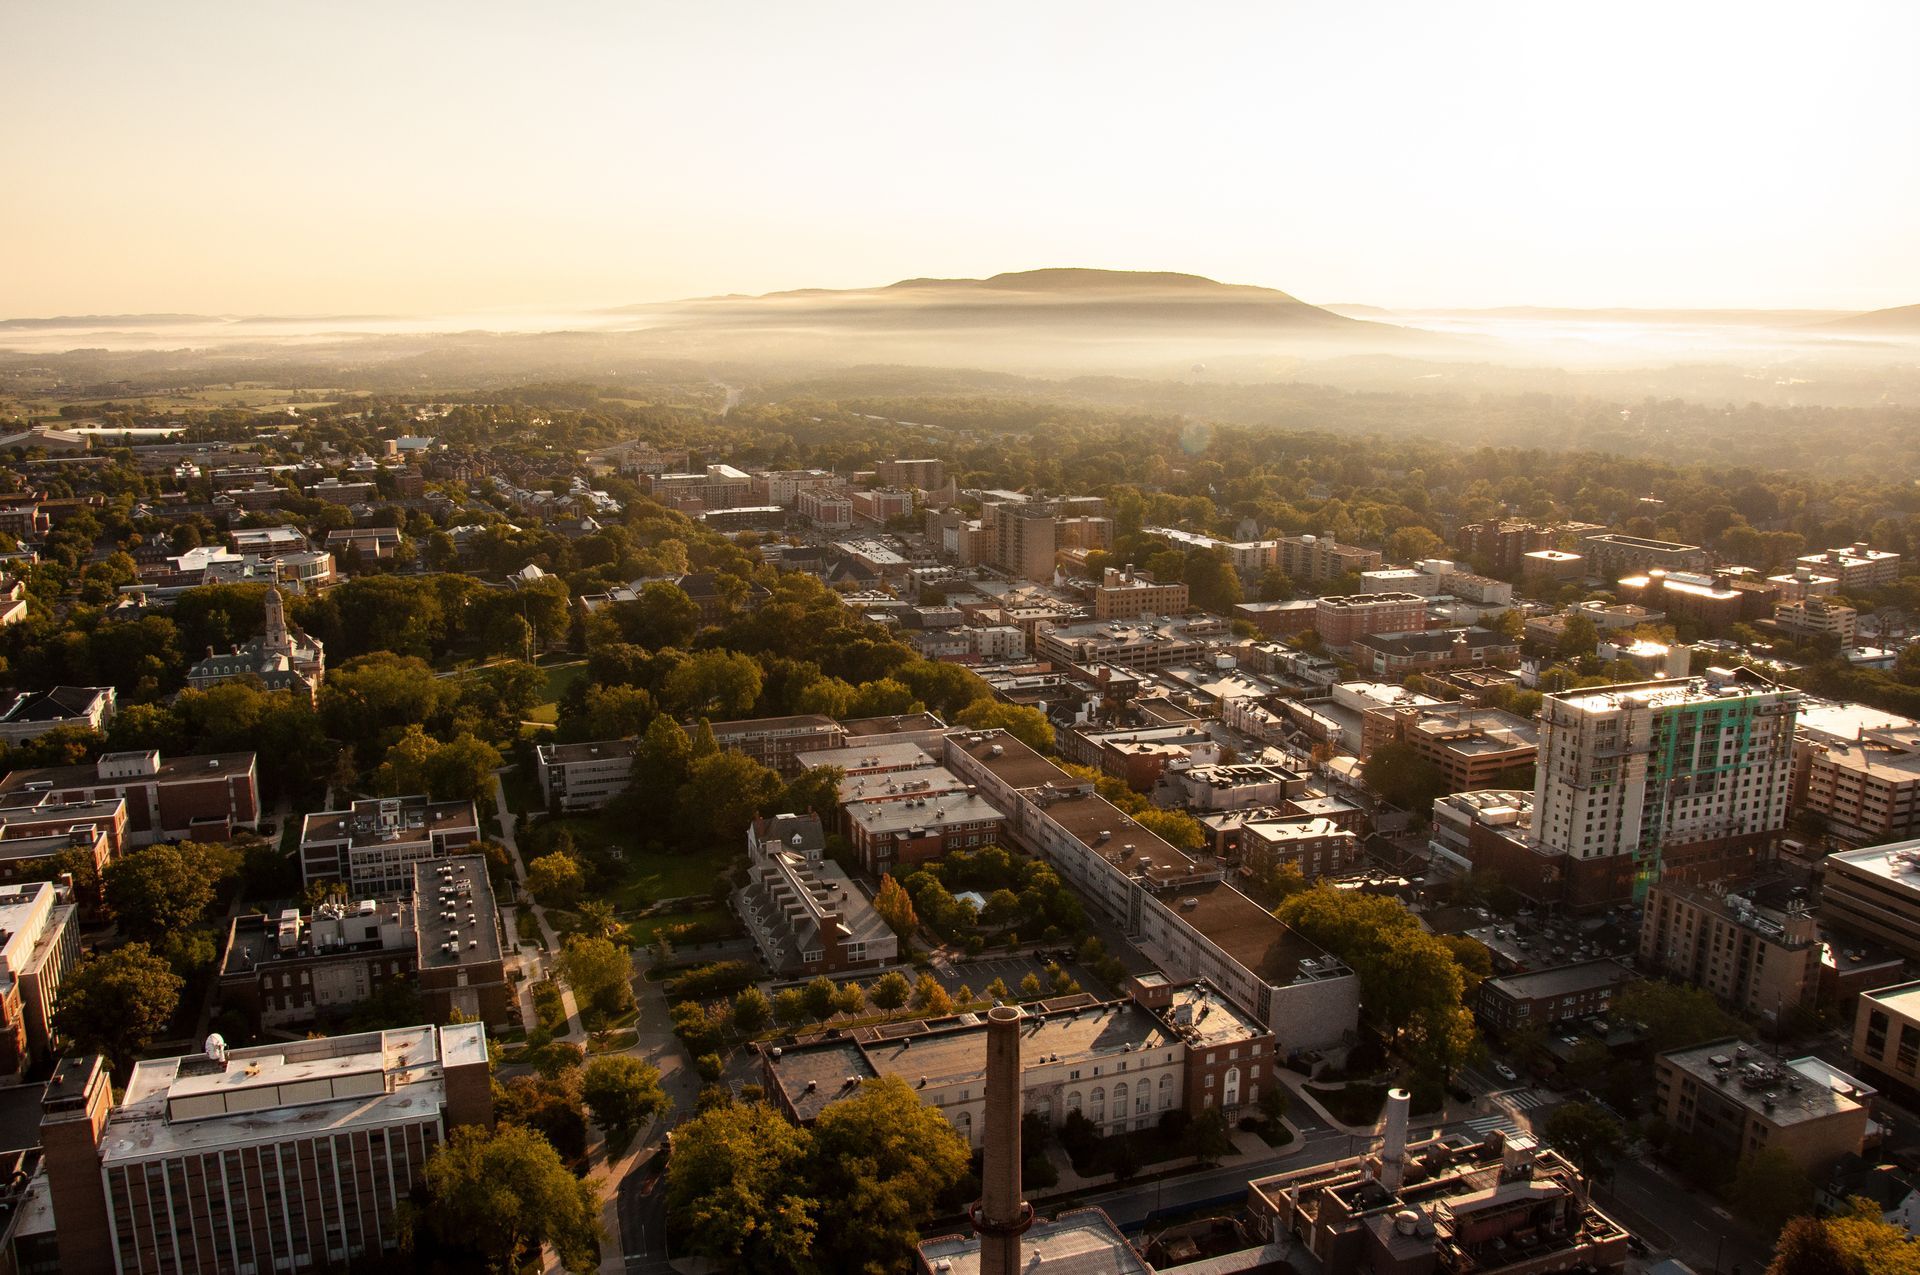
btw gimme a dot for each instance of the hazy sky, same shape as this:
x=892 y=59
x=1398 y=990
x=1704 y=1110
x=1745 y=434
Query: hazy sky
x=405 y=156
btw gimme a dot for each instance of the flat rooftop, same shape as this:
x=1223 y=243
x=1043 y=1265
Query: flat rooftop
x=598 y=750
x=379 y=821
x=860 y=727
x=1902 y=999
x=1010 y=761
x=875 y=758
x=456 y=919
x=1564 y=980
x=1747 y=1074
x=1244 y=930
x=1078 y=1242
x=1896 y=863
x=882 y=818
x=268 y=1093
x=1109 y=832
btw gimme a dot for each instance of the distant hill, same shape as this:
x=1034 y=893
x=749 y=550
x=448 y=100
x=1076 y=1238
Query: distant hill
x=1060 y=317
x=1905 y=318
x=106 y=321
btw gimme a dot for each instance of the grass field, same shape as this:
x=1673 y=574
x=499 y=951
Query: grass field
x=560 y=679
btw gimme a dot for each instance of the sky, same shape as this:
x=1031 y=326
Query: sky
x=371 y=157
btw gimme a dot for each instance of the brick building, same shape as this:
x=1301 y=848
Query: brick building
x=1340 y=620
x=39 y=945
x=203 y=798
x=1541 y=998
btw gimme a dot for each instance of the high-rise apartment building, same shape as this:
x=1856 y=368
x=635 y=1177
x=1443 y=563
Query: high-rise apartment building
x=1022 y=537
x=1314 y=559
x=1685 y=777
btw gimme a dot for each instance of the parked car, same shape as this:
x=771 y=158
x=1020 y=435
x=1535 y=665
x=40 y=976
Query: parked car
x=1505 y=1072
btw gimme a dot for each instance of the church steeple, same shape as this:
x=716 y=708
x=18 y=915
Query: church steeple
x=275 y=638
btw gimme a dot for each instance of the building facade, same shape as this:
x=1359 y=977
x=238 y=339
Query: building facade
x=204 y=798
x=579 y=777
x=372 y=846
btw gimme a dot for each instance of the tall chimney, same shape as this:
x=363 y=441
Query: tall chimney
x=1393 y=1139
x=1001 y=1216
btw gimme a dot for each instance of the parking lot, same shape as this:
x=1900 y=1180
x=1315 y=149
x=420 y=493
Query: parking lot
x=979 y=973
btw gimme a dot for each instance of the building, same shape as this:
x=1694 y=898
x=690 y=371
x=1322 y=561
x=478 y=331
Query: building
x=1397 y=656
x=777 y=742
x=782 y=487
x=718 y=487
x=1857 y=567
x=1083 y=1239
x=1130 y=595
x=1543 y=567
x=1319 y=559
x=1610 y=555
x=1542 y=998
x=1817 y=617
x=373 y=845
x=1144 y=885
x=1472 y=747
x=1875 y=893
x=1713 y=603
x=1241 y=786
x=1279 y=619
x=282 y=657
x=300 y=1154
x=925 y=474
x=1650 y=779
x=805 y=914
x=366 y=544
x=1886 y=1034
x=206 y=798
x=1866 y=785
x=1137 y=644
x=1314 y=845
x=1735 y=1100
x=1502 y=1206
x=881 y=505
x=39 y=944
x=1120 y=1064
x=34 y=713
x=1503 y=545
x=914 y=828
x=268 y=542
x=1757 y=950
x=297 y=967
x=1024 y=537
x=826 y=508
x=36 y=834
x=586 y=776
x=1340 y=620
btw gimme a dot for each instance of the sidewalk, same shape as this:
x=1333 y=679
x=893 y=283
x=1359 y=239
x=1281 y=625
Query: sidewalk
x=575 y=1030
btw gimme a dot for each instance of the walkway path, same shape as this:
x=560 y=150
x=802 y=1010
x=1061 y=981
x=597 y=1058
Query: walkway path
x=575 y=1031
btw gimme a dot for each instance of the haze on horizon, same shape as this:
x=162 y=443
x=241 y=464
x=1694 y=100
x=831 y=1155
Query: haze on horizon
x=219 y=157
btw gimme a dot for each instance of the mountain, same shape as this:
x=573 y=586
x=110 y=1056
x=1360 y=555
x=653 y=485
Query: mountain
x=1900 y=319
x=1060 y=318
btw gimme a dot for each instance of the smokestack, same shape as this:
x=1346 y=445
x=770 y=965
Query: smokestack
x=1001 y=1216
x=1393 y=1139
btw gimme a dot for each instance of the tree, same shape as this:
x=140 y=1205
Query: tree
x=884 y=1157
x=1674 y=1016
x=848 y=998
x=159 y=890
x=623 y=1092
x=1769 y=1188
x=1588 y=1136
x=461 y=769
x=556 y=879
x=1578 y=637
x=715 y=684
x=1028 y=725
x=998 y=990
x=722 y=794
x=735 y=1193
x=1209 y=1136
x=403 y=771
x=790 y=1006
x=895 y=907
x=1175 y=827
x=1030 y=988
x=1807 y=1246
x=819 y=993
x=930 y=998
x=600 y=972
x=119 y=1003
x=504 y=1194
x=890 y=991
x=1869 y=1242
x=752 y=1011
x=1402 y=777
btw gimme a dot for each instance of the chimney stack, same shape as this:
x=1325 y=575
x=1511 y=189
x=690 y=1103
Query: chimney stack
x=1002 y=1216
x=1393 y=1139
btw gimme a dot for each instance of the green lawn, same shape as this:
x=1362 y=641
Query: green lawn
x=646 y=877
x=560 y=679
x=641 y=932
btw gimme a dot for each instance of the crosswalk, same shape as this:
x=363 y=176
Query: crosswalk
x=1484 y=1125
x=1518 y=1100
